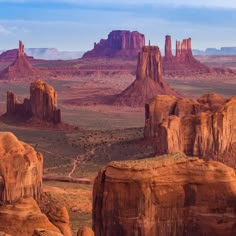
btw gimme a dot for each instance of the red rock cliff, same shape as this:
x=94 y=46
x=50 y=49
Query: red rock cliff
x=205 y=127
x=120 y=43
x=169 y=195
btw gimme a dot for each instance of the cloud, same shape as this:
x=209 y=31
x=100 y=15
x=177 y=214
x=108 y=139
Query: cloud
x=4 y=30
x=172 y=3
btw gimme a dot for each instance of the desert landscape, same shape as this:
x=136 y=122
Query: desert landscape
x=126 y=140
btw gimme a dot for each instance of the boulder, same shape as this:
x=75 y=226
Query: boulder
x=164 y=196
x=44 y=232
x=85 y=231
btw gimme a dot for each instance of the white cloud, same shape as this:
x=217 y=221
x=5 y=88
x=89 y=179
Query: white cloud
x=190 y=3
x=4 y=30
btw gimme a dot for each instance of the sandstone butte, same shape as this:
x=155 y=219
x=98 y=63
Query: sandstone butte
x=20 y=68
x=205 y=127
x=24 y=208
x=41 y=106
x=149 y=81
x=120 y=43
x=184 y=63
x=165 y=196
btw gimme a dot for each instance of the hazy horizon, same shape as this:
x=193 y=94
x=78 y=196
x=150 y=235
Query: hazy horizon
x=74 y=25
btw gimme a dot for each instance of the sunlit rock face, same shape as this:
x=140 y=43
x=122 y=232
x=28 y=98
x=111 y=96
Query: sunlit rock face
x=205 y=127
x=164 y=196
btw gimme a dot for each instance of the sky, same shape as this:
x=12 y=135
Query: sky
x=74 y=25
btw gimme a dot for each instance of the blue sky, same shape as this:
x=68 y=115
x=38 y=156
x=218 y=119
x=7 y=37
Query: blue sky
x=77 y=24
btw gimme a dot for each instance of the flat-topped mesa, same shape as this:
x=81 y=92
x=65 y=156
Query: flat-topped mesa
x=148 y=83
x=168 y=48
x=41 y=106
x=205 y=127
x=20 y=169
x=167 y=195
x=120 y=43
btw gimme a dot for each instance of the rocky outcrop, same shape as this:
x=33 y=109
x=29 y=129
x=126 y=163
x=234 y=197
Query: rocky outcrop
x=20 y=169
x=23 y=217
x=120 y=43
x=183 y=63
x=42 y=104
x=20 y=68
x=85 y=231
x=44 y=232
x=149 y=81
x=205 y=127
x=164 y=196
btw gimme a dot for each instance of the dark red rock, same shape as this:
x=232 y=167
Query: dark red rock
x=120 y=43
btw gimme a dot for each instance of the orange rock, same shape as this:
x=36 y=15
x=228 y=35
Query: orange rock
x=85 y=231
x=44 y=232
x=20 y=169
x=167 y=195
x=205 y=127
x=23 y=217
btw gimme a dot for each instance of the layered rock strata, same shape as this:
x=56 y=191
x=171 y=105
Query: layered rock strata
x=20 y=169
x=164 y=196
x=205 y=127
x=120 y=43
x=41 y=105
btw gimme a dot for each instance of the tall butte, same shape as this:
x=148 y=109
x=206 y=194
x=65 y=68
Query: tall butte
x=183 y=63
x=149 y=81
x=20 y=68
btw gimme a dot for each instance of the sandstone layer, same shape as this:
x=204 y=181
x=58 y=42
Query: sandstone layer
x=205 y=127
x=20 y=169
x=165 y=196
x=23 y=217
x=149 y=81
x=85 y=231
x=120 y=43
x=42 y=104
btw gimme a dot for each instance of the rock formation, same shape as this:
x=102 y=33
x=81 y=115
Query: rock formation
x=183 y=63
x=205 y=127
x=44 y=232
x=20 y=68
x=120 y=43
x=85 y=231
x=164 y=196
x=23 y=217
x=20 y=169
x=149 y=81
x=42 y=104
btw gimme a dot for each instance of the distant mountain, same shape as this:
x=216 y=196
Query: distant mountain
x=44 y=53
x=53 y=54
x=215 y=51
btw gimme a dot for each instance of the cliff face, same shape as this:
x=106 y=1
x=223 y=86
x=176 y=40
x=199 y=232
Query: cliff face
x=169 y=195
x=205 y=127
x=148 y=81
x=42 y=104
x=20 y=169
x=120 y=43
